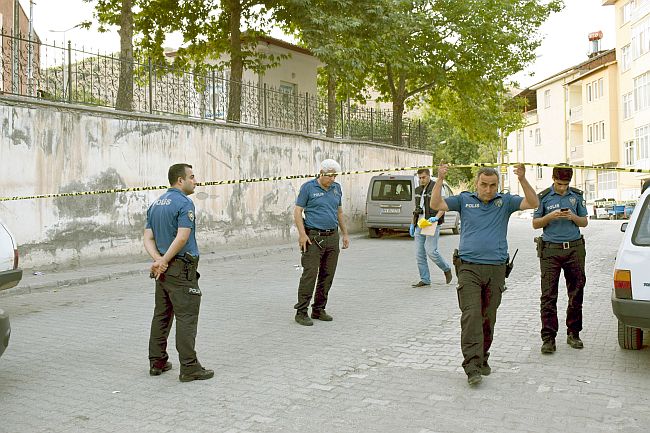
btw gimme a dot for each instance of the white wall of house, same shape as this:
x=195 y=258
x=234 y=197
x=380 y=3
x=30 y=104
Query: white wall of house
x=299 y=70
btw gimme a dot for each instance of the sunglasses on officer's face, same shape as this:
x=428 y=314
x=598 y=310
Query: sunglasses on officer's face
x=329 y=175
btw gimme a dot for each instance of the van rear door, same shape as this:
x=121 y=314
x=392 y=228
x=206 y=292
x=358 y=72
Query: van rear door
x=390 y=202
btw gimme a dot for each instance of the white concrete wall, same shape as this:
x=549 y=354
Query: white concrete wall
x=49 y=148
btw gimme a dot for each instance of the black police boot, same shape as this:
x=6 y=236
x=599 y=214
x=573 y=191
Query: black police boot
x=574 y=341
x=321 y=315
x=548 y=346
x=474 y=378
x=157 y=371
x=201 y=374
x=303 y=318
x=448 y=276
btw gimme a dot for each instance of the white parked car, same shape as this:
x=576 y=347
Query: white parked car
x=10 y=275
x=631 y=293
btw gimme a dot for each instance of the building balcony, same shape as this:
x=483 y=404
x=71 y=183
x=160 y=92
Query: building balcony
x=575 y=114
x=531 y=117
x=577 y=153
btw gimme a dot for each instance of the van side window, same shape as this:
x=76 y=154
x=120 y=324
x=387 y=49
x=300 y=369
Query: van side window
x=391 y=190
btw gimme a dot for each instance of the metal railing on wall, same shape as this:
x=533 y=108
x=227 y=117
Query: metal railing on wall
x=74 y=75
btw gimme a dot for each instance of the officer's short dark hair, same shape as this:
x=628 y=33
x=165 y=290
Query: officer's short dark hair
x=561 y=173
x=487 y=171
x=424 y=170
x=176 y=171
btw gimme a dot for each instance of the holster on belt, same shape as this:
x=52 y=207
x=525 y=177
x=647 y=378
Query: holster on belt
x=455 y=259
x=191 y=265
x=539 y=244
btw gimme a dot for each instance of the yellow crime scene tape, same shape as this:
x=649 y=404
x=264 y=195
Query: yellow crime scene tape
x=304 y=176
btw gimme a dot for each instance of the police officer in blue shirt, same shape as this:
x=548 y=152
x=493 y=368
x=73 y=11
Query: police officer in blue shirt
x=481 y=258
x=170 y=240
x=320 y=200
x=561 y=213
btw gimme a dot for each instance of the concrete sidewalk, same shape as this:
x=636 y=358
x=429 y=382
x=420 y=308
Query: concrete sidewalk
x=35 y=281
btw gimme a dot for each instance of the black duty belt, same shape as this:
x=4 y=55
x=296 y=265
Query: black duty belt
x=564 y=245
x=465 y=262
x=321 y=232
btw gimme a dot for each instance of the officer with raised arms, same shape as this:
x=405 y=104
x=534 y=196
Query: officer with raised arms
x=481 y=258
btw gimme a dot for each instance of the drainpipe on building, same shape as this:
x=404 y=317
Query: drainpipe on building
x=14 y=48
x=30 y=52
x=564 y=125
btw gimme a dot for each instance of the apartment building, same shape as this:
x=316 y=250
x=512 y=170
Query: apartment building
x=632 y=47
x=569 y=119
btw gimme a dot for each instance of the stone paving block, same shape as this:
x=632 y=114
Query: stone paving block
x=370 y=376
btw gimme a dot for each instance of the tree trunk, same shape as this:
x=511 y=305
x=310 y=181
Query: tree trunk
x=125 y=87
x=398 y=113
x=331 y=103
x=236 y=63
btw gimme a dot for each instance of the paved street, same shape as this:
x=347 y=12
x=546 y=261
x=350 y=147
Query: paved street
x=389 y=362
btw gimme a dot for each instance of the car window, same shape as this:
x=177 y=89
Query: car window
x=641 y=234
x=391 y=190
x=446 y=191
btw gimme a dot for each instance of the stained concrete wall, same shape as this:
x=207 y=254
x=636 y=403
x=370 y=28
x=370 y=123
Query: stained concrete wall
x=52 y=148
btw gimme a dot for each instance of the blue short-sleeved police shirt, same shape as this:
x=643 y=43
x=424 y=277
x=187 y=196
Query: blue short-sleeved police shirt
x=321 y=206
x=561 y=230
x=172 y=210
x=483 y=238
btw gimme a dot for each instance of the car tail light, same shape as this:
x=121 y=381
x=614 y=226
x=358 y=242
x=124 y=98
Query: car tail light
x=15 y=259
x=623 y=284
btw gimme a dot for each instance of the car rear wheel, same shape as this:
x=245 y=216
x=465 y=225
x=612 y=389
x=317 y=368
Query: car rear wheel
x=629 y=337
x=373 y=232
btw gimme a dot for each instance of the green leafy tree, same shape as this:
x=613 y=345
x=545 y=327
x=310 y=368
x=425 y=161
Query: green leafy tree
x=119 y=13
x=210 y=29
x=227 y=30
x=427 y=46
x=337 y=32
x=471 y=128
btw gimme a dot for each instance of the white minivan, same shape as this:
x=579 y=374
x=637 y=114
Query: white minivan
x=391 y=201
x=631 y=292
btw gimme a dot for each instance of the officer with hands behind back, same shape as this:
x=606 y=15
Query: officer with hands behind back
x=170 y=240
x=561 y=213
x=481 y=258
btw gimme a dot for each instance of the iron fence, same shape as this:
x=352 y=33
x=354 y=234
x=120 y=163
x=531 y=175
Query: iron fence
x=69 y=74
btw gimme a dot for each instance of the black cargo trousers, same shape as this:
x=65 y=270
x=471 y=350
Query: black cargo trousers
x=479 y=295
x=319 y=265
x=177 y=295
x=554 y=259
